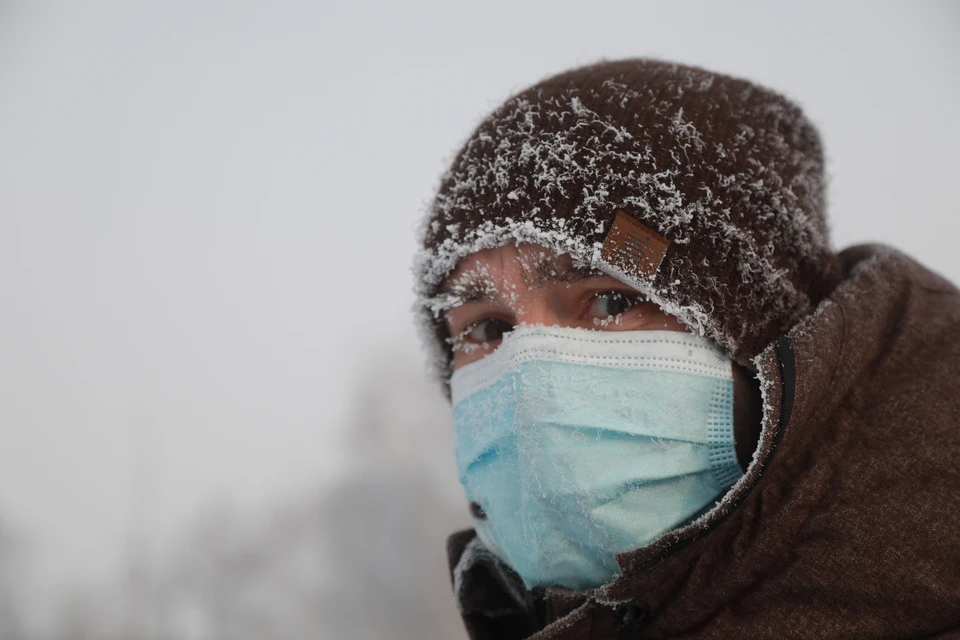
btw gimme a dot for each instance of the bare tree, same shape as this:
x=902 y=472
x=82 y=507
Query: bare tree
x=385 y=525
x=364 y=559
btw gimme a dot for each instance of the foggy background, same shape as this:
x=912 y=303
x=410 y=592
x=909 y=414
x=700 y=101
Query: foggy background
x=213 y=418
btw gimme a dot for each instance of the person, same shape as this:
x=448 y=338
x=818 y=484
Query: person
x=678 y=411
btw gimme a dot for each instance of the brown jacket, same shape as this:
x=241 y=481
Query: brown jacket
x=846 y=524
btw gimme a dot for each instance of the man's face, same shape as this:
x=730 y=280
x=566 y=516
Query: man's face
x=496 y=290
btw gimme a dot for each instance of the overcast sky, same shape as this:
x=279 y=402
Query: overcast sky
x=207 y=212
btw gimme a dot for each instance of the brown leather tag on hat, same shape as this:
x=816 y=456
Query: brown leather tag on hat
x=633 y=249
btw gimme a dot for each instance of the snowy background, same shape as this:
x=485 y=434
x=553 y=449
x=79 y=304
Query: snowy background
x=212 y=412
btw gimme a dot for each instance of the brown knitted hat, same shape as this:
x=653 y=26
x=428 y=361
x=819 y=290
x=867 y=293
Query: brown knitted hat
x=704 y=192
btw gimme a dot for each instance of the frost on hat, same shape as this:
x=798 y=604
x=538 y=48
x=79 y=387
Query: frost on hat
x=729 y=175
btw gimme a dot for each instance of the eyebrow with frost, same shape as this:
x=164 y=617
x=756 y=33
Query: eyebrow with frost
x=477 y=284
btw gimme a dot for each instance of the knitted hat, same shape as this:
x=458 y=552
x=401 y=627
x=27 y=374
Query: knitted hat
x=704 y=192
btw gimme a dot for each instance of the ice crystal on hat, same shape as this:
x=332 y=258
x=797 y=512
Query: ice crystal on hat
x=731 y=173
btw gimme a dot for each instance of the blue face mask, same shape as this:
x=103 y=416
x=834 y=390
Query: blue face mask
x=579 y=445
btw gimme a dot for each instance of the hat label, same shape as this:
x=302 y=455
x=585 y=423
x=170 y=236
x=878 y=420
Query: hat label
x=632 y=249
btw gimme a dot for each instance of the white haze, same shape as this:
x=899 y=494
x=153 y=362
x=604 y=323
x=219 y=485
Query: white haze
x=206 y=221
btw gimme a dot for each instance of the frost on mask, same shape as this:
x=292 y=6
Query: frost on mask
x=580 y=445
x=731 y=173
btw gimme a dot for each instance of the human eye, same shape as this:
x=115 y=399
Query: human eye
x=607 y=306
x=475 y=330
x=486 y=330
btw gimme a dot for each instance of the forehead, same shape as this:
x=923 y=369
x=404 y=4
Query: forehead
x=527 y=264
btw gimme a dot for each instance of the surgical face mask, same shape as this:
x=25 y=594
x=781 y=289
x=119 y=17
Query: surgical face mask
x=579 y=445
